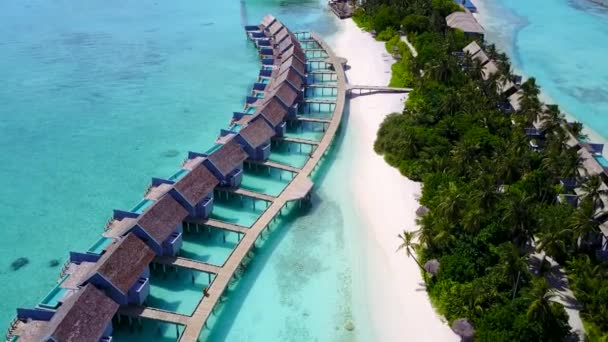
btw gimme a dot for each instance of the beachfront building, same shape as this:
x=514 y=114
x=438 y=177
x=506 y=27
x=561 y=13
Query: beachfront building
x=85 y=316
x=226 y=163
x=255 y=139
x=465 y=22
x=123 y=271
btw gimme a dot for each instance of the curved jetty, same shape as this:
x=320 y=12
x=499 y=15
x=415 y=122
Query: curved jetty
x=126 y=278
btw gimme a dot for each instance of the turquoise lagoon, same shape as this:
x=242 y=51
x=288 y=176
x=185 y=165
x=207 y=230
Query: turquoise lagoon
x=100 y=96
x=562 y=44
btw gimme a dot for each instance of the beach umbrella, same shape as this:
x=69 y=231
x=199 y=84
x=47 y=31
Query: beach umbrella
x=421 y=211
x=463 y=328
x=432 y=266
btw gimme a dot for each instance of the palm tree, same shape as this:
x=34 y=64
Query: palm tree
x=584 y=223
x=540 y=295
x=551 y=243
x=407 y=243
x=518 y=215
x=594 y=190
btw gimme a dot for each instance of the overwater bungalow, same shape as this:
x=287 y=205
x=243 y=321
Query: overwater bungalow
x=291 y=78
x=294 y=64
x=161 y=226
x=226 y=163
x=274 y=28
x=465 y=22
x=123 y=272
x=255 y=139
x=275 y=113
x=85 y=316
x=295 y=51
x=194 y=191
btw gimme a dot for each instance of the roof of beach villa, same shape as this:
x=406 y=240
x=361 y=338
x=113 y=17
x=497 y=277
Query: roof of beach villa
x=286 y=94
x=464 y=21
x=289 y=76
x=256 y=133
x=476 y=52
x=124 y=261
x=297 y=53
x=267 y=20
x=275 y=27
x=293 y=63
x=282 y=35
x=84 y=316
x=273 y=111
x=161 y=219
x=228 y=157
x=197 y=184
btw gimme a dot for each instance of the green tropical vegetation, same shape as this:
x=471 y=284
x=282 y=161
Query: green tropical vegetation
x=492 y=199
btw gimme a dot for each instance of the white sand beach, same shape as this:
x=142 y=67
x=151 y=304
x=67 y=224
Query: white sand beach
x=399 y=306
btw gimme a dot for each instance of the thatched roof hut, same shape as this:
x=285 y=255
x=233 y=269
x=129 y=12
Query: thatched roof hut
x=432 y=266
x=465 y=22
x=422 y=211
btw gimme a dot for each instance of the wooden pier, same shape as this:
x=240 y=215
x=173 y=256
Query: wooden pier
x=298 y=141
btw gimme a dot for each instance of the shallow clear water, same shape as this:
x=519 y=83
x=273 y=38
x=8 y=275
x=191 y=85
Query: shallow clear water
x=100 y=96
x=177 y=290
x=562 y=44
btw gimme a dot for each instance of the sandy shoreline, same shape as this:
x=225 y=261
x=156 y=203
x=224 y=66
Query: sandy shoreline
x=386 y=201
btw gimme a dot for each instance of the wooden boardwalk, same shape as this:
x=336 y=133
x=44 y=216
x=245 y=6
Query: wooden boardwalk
x=309 y=119
x=319 y=101
x=187 y=263
x=297 y=141
x=276 y=165
x=219 y=224
x=376 y=89
x=252 y=194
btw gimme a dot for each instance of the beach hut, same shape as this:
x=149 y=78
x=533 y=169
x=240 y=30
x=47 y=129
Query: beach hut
x=161 y=225
x=226 y=163
x=194 y=191
x=85 y=316
x=255 y=139
x=275 y=114
x=466 y=22
x=123 y=272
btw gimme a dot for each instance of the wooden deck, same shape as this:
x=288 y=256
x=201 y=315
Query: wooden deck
x=219 y=224
x=309 y=119
x=297 y=141
x=275 y=165
x=187 y=263
x=365 y=89
x=252 y=194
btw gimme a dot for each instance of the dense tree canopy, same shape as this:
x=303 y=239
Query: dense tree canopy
x=492 y=198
